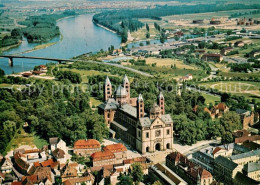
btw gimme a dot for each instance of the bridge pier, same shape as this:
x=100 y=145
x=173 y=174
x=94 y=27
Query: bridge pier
x=11 y=62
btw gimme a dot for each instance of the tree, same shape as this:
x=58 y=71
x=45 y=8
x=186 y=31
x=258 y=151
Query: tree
x=124 y=180
x=227 y=138
x=147 y=35
x=2 y=73
x=147 y=27
x=157 y=183
x=231 y=121
x=137 y=172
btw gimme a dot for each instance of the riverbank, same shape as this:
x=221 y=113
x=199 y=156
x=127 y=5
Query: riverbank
x=106 y=28
x=10 y=47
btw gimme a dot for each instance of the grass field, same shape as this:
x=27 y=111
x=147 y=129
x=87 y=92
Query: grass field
x=86 y=73
x=210 y=98
x=234 y=74
x=168 y=62
x=247 y=89
x=25 y=139
x=141 y=33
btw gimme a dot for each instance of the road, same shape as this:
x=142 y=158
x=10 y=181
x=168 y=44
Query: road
x=212 y=73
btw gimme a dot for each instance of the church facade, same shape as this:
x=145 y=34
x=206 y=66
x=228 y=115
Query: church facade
x=125 y=116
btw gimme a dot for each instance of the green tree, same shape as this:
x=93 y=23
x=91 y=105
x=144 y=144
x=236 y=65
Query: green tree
x=137 y=173
x=147 y=27
x=124 y=180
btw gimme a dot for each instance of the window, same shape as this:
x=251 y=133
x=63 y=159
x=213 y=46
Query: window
x=168 y=131
x=147 y=134
x=157 y=133
x=139 y=133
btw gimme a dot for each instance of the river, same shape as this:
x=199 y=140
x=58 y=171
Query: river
x=80 y=35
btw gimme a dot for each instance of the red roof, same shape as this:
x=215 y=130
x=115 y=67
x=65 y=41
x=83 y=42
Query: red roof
x=16 y=183
x=104 y=155
x=216 y=150
x=86 y=144
x=221 y=106
x=247 y=138
x=114 y=148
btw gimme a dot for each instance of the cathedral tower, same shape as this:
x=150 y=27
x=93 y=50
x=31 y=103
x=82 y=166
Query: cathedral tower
x=126 y=85
x=140 y=106
x=161 y=103
x=107 y=89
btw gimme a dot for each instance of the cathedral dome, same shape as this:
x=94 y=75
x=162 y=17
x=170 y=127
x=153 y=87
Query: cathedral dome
x=155 y=108
x=121 y=91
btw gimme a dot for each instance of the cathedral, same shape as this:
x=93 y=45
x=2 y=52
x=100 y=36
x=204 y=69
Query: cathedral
x=125 y=116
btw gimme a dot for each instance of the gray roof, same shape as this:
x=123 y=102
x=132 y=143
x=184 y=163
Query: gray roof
x=140 y=97
x=251 y=167
x=161 y=95
x=110 y=104
x=226 y=162
x=121 y=91
x=243 y=111
x=129 y=110
x=244 y=155
x=53 y=140
x=107 y=81
x=167 y=118
x=145 y=122
x=125 y=80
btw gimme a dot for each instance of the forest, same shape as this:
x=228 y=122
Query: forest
x=42 y=28
x=49 y=110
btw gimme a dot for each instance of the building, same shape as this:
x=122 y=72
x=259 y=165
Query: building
x=56 y=142
x=162 y=173
x=239 y=43
x=225 y=170
x=252 y=170
x=84 y=147
x=247 y=157
x=6 y=165
x=59 y=155
x=102 y=158
x=126 y=118
x=119 y=150
x=254 y=138
x=212 y=57
x=218 y=110
x=186 y=78
x=198 y=21
x=226 y=50
x=88 y=180
x=247 y=118
x=187 y=170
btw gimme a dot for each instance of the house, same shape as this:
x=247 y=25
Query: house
x=126 y=117
x=88 y=180
x=6 y=165
x=212 y=57
x=186 y=78
x=69 y=171
x=247 y=118
x=252 y=170
x=59 y=155
x=226 y=50
x=225 y=170
x=247 y=157
x=218 y=110
x=187 y=170
x=43 y=68
x=119 y=150
x=27 y=75
x=84 y=147
x=56 y=142
x=103 y=158
x=42 y=176
x=239 y=43
x=162 y=173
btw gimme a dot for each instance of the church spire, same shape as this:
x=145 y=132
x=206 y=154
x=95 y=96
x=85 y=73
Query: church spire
x=126 y=85
x=107 y=89
x=161 y=103
x=140 y=106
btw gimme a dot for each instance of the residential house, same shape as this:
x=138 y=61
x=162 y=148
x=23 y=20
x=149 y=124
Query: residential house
x=247 y=118
x=103 y=158
x=239 y=43
x=69 y=171
x=86 y=147
x=119 y=150
x=186 y=78
x=226 y=50
x=187 y=170
x=225 y=170
x=88 y=180
x=219 y=110
x=212 y=57
x=56 y=142
x=6 y=165
x=41 y=176
x=165 y=175
x=59 y=155
x=247 y=157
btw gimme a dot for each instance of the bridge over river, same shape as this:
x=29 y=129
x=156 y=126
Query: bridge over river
x=59 y=60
